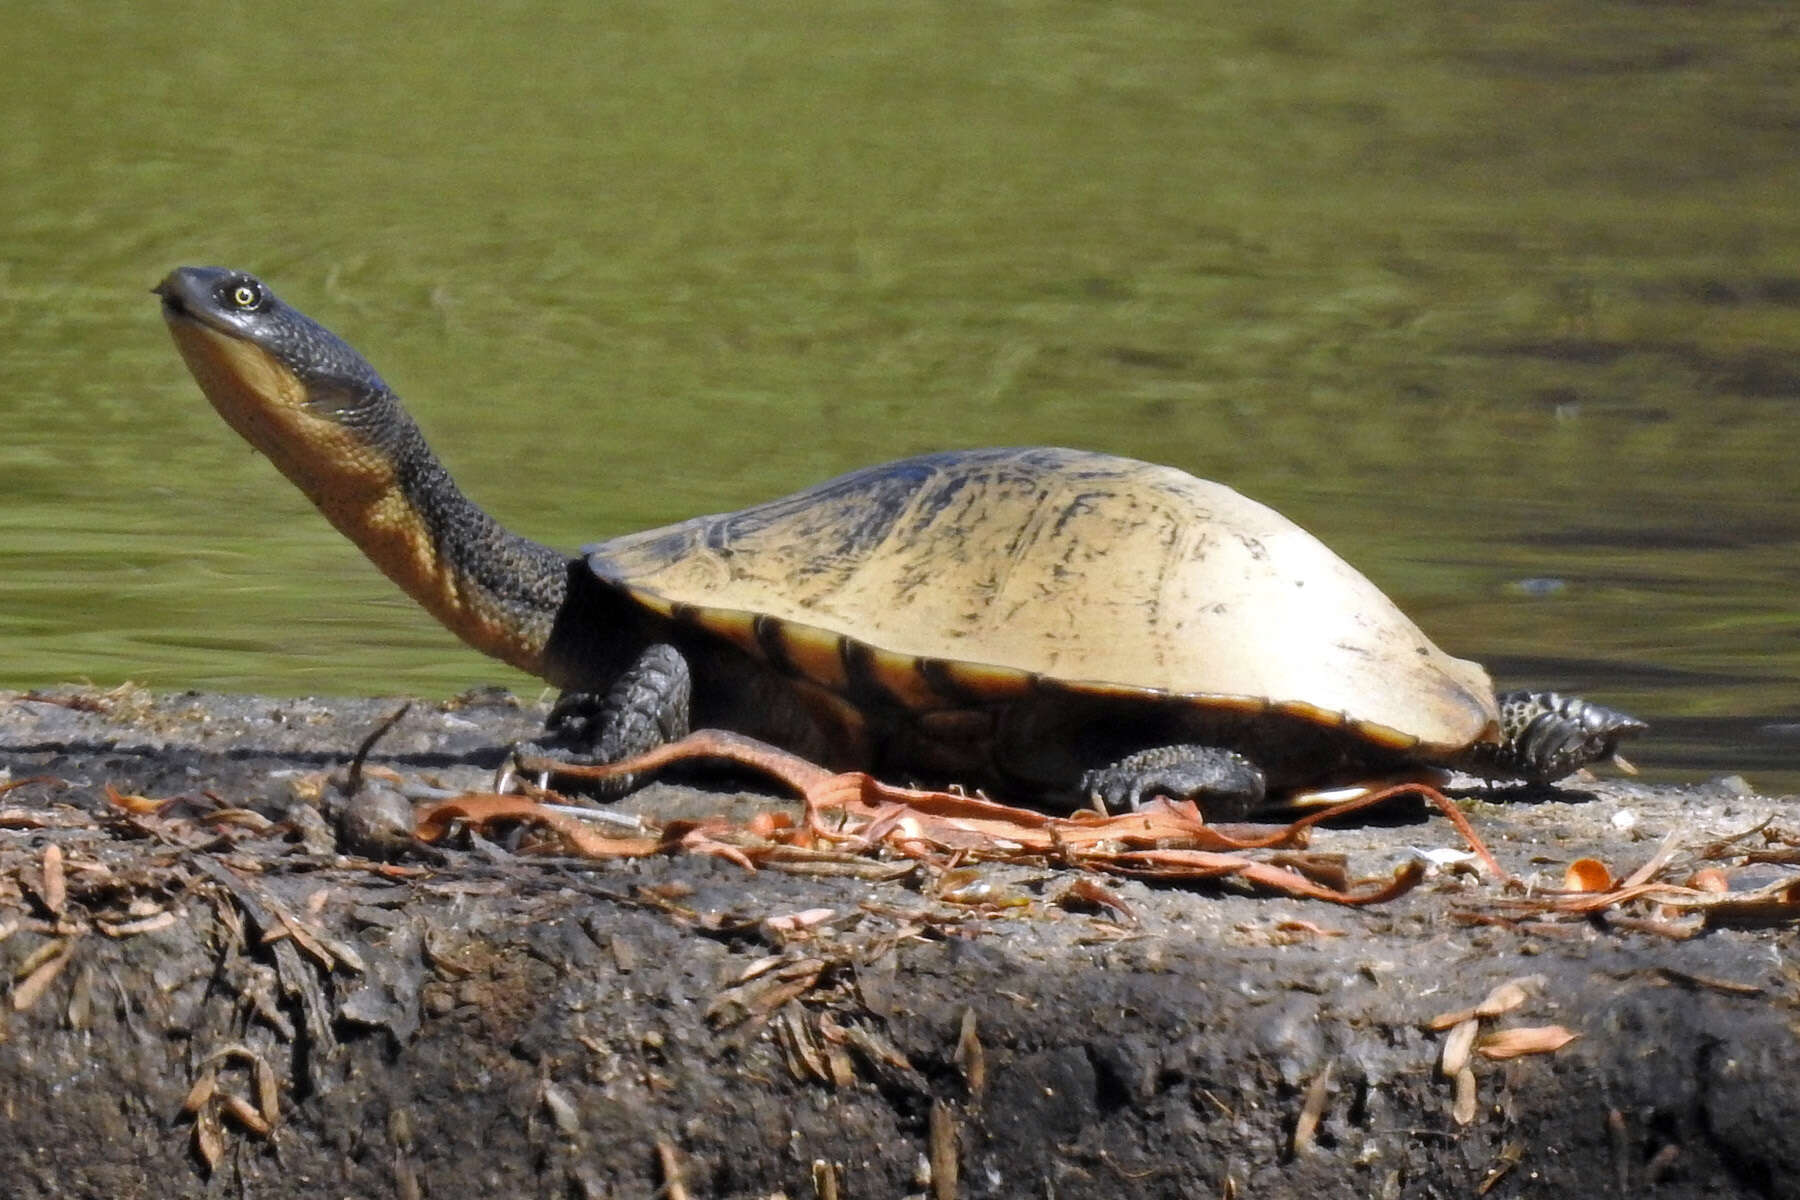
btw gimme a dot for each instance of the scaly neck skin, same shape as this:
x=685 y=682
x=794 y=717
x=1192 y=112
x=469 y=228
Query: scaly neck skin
x=347 y=443
x=499 y=592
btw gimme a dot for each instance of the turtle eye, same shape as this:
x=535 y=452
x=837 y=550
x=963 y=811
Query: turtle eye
x=247 y=296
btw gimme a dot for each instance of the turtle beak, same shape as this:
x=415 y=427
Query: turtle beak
x=174 y=296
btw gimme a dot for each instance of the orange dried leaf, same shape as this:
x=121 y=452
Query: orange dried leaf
x=139 y=806
x=854 y=810
x=1587 y=875
x=1084 y=892
x=1534 y=1039
x=10 y=784
x=480 y=810
x=1709 y=879
x=1445 y=1020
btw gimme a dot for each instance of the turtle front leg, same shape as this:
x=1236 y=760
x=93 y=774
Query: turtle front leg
x=645 y=706
x=1545 y=736
x=1222 y=783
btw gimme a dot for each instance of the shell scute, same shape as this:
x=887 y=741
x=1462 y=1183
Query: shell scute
x=1096 y=574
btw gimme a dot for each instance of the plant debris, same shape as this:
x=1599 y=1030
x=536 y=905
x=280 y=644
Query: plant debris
x=1012 y=1004
x=858 y=815
x=1678 y=892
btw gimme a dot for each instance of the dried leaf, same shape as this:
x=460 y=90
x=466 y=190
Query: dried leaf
x=562 y=1110
x=1534 y=1039
x=795 y=922
x=673 y=1187
x=209 y=1137
x=201 y=1092
x=245 y=1114
x=1729 y=987
x=1446 y=1020
x=10 y=784
x=1776 y=904
x=137 y=806
x=125 y=929
x=1709 y=879
x=1311 y=1111
x=292 y=926
x=1587 y=875
x=1655 y=863
x=268 y=1096
x=483 y=809
x=242 y=818
x=1326 y=870
x=45 y=951
x=806 y=1061
x=843 y=1070
x=39 y=980
x=1508 y=996
x=1462 y=1107
x=970 y=1058
x=858 y=813
x=942 y=1139
x=1510 y=1156
x=1455 y=1054
x=1087 y=893
x=56 y=894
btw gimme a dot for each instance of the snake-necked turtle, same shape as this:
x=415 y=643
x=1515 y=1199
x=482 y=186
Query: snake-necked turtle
x=1040 y=622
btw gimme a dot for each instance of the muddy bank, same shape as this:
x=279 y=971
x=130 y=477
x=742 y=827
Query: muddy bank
x=209 y=997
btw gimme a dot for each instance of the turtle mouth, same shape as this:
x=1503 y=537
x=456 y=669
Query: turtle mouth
x=174 y=304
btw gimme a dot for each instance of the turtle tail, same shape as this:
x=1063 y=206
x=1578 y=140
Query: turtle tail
x=1545 y=736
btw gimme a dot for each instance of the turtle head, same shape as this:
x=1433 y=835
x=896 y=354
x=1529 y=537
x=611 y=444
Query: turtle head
x=292 y=388
x=1545 y=736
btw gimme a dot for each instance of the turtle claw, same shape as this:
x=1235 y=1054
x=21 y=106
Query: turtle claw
x=1222 y=783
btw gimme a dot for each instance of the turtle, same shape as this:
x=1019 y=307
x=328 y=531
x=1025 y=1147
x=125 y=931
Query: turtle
x=1060 y=626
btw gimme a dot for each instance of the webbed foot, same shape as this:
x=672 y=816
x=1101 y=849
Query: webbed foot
x=1222 y=783
x=646 y=706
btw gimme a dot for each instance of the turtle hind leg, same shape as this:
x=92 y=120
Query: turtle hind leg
x=1222 y=783
x=646 y=705
x=1545 y=736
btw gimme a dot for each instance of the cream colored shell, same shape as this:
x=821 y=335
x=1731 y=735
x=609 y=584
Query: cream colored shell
x=959 y=577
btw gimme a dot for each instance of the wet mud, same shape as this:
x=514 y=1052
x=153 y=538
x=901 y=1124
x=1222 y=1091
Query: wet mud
x=210 y=996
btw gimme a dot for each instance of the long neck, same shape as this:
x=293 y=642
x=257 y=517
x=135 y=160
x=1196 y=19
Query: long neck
x=498 y=592
x=329 y=423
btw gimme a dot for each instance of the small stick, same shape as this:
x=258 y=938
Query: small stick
x=353 y=781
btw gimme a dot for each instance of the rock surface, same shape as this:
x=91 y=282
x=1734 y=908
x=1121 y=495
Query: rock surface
x=209 y=994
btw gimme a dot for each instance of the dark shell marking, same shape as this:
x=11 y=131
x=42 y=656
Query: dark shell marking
x=986 y=577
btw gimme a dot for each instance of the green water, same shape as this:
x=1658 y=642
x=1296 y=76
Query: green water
x=1484 y=294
